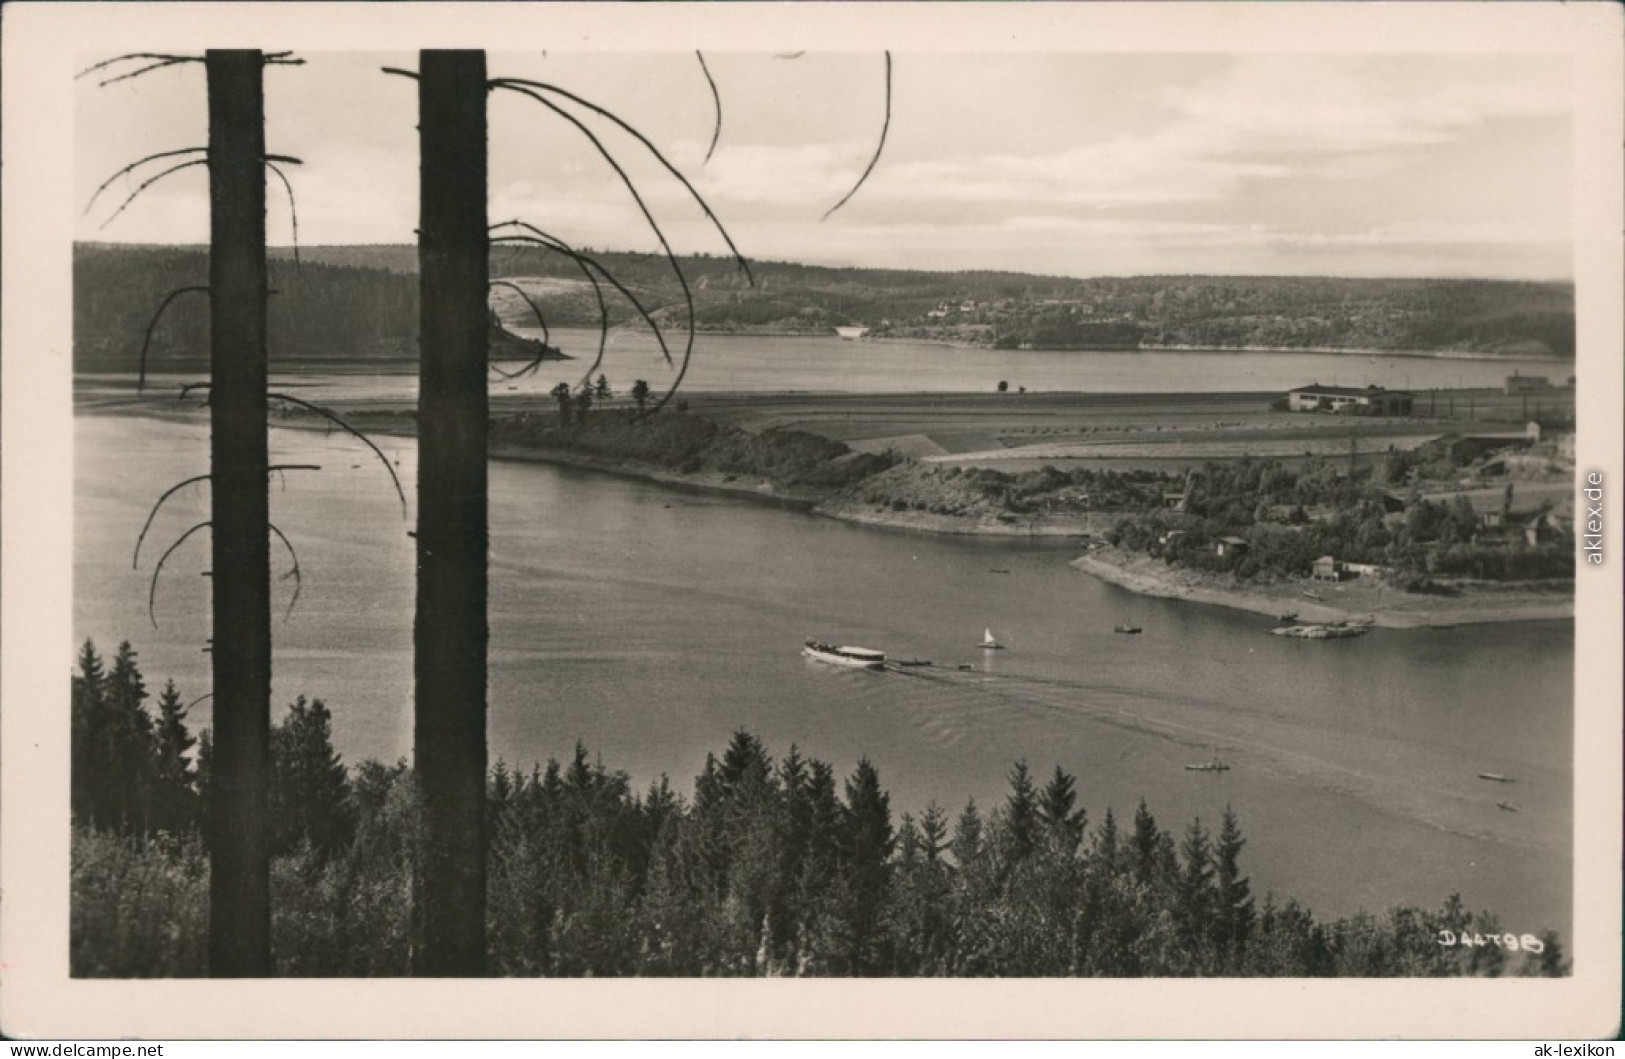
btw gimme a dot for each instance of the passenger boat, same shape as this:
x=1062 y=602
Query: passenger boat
x=861 y=657
x=1211 y=766
x=989 y=643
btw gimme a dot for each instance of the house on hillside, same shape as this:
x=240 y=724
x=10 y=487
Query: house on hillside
x=1229 y=546
x=1505 y=513
x=1326 y=568
x=1372 y=400
x=1392 y=503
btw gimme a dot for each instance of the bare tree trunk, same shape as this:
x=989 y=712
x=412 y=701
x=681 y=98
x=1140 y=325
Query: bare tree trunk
x=239 y=879
x=450 y=631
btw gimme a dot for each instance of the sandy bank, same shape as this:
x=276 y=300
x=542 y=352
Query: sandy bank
x=1388 y=607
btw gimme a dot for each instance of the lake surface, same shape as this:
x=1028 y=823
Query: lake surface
x=828 y=364
x=650 y=623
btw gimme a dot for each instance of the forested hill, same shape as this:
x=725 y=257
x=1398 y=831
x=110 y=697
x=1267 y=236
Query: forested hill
x=317 y=310
x=355 y=301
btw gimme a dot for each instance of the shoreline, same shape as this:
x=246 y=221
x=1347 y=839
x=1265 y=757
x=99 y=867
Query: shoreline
x=1392 y=610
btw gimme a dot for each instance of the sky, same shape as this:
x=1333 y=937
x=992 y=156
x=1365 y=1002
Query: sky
x=1070 y=163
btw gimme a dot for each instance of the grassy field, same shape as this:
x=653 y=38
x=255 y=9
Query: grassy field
x=1162 y=431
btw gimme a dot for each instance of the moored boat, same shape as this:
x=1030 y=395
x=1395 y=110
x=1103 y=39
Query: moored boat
x=850 y=333
x=1328 y=631
x=1210 y=766
x=860 y=657
x=1126 y=629
x=1496 y=777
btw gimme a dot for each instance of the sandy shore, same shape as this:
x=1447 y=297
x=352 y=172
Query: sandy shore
x=1387 y=607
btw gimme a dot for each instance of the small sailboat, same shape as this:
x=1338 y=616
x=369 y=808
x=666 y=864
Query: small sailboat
x=989 y=643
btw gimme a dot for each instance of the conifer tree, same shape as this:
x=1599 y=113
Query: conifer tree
x=1196 y=883
x=967 y=841
x=934 y=833
x=129 y=742
x=1063 y=826
x=176 y=809
x=1106 y=843
x=88 y=754
x=1233 y=920
x=310 y=788
x=1144 y=844
x=1021 y=813
x=866 y=847
x=561 y=394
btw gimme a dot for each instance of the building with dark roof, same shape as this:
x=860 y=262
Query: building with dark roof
x=1371 y=400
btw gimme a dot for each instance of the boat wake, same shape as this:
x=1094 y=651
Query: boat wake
x=948 y=706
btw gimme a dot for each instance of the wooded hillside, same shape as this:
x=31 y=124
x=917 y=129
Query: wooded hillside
x=360 y=301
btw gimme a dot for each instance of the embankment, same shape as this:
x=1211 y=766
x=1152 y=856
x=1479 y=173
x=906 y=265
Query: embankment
x=1386 y=606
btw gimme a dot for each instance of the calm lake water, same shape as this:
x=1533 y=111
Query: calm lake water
x=820 y=364
x=650 y=623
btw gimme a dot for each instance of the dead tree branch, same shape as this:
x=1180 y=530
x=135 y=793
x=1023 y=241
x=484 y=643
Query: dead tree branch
x=545 y=240
x=271 y=161
x=298 y=579
x=648 y=215
x=146 y=340
x=518 y=84
x=353 y=432
x=155 y=60
x=137 y=164
x=716 y=103
x=881 y=146
x=152 y=587
x=135 y=560
x=145 y=184
x=279 y=468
